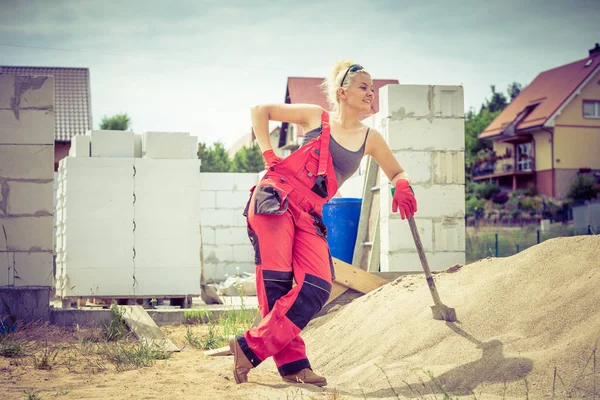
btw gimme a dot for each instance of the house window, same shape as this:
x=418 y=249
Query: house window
x=591 y=109
x=524 y=157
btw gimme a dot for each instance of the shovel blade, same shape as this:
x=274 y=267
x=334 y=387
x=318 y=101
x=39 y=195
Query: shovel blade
x=444 y=313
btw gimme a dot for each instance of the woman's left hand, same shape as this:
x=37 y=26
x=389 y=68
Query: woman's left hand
x=404 y=199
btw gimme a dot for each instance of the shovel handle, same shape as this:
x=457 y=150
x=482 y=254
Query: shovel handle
x=424 y=263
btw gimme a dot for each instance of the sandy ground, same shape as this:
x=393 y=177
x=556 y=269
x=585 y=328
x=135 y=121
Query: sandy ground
x=528 y=326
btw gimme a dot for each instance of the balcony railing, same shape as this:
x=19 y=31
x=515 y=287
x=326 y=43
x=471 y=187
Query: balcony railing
x=505 y=166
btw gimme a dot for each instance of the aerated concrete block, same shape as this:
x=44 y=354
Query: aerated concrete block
x=31 y=127
x=107 y=143
x=29 y=198
x=169 y=145
x=80 y=146
x=33 y=233
x=27 y=162
x=33 y=269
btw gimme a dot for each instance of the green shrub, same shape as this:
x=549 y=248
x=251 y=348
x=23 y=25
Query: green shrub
x=582 y=188
x=473 y=203
x=487 y=190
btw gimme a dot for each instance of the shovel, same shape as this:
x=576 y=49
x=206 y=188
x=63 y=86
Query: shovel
x=439 y=310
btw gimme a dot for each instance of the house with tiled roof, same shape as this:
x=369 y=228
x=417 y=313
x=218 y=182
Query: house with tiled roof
x=550 y=132
x=308 y=91
x=72 y=103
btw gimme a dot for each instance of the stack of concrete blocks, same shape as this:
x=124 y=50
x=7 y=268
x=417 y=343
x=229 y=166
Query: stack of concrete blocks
x=128 y=215
x=26 y=181
x=227 y=249
x=424 y=127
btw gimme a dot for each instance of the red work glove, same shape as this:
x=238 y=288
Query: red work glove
x=404 y=199
x=271 y=158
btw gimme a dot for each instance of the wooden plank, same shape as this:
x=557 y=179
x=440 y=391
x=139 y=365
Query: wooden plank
x=365 y=212
x=145 y=329
x=356 y=278
x=221 y=351
x=337 y=289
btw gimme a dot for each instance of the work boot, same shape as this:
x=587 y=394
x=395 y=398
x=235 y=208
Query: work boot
x=241 y=364
x=306 y=375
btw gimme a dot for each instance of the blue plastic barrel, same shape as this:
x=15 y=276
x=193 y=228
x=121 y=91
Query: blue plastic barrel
x=341 y=216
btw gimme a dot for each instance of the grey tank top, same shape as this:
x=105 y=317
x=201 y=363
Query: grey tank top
x=345 y=162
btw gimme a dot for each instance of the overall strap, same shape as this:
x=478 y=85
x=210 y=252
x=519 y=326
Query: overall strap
x=324 y=150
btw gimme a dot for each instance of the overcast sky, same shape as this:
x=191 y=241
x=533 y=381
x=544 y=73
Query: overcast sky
x=197 y=66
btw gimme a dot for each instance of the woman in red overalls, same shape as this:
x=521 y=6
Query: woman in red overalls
x=285 y=224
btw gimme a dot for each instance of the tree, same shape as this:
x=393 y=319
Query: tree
x=474 y=125
x=513 y=90
x=214 y=159
x=498 y=101
x=248 y=159
x=119 y=122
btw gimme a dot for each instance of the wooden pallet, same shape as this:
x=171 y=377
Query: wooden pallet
x=144 y=301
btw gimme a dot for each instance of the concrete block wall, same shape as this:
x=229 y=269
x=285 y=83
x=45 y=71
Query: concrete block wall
x=26 y=183
x=224 y=229
x=424 y=127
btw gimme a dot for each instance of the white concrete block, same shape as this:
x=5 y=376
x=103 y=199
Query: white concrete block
x=208 y=236
x=449 y=235
x=158 y=176
x=36 y=91
x=243 y=253
x=107 y=281
x=167 y=282
x=410 y=101
x=112 y=144
x=353 y=187
x=27 y=162
x=243 y=181
x=232 y=236
x=218 y=217
x=423 y=134
x=161 y=145
x=448 y=101
x=208 y=199
x=137 y=146
x=396 y=235
x=217 y=272
x=28 y=234
x=225 y=181
x=440 y=201
x=98 y=243
x=177 y=252
x=214 y=254
x=7 y=91
x=416 y=163
x=32 y=127
x=30 y=198
x=449 y=167
x=233 y=199
x=33 y=269
x=80 y=146
x=410 y=262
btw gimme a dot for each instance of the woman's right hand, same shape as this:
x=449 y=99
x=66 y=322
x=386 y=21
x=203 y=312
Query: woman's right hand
x=271 y=158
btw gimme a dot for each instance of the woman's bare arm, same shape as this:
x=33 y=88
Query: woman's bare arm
x=306 y=115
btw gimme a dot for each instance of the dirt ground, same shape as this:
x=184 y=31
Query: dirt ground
x=529 y=327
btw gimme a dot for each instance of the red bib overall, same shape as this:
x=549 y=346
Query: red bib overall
x=285 y=227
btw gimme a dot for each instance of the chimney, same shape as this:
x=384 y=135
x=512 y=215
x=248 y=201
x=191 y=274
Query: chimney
x=595 y=52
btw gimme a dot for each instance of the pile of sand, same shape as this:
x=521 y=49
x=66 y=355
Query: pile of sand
x=521 y=318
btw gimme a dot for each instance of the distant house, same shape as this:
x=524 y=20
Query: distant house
x=72 y=103
x=308 y=90
x=550 y=132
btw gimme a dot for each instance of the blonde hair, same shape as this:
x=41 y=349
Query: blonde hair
x=331 y=84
